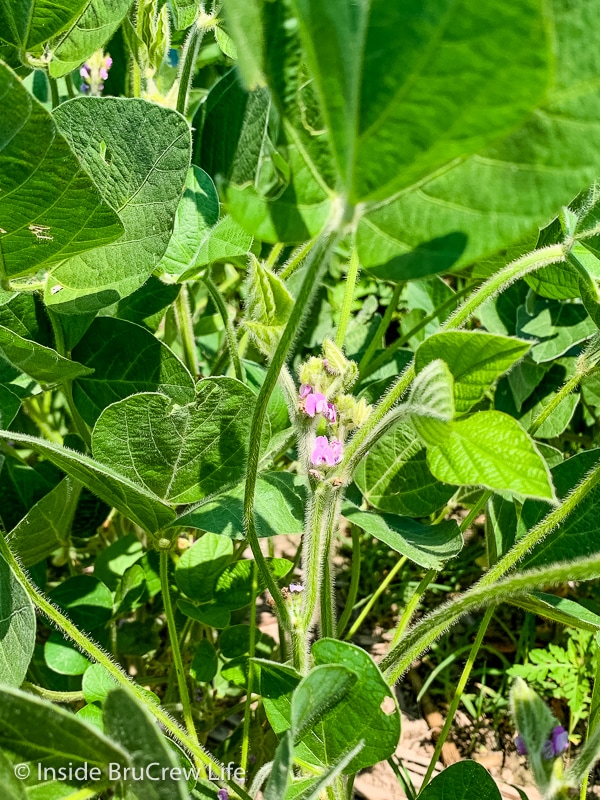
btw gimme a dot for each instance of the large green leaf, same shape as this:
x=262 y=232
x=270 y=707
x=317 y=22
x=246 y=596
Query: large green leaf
x=180 y=453
x=427 y=545
x=41 y=732
x=279 y=508
x=362 y=714
x=126 y=359
x=197 y=213
x=406 y=88
x=89 y=32
x=245 y=24
x=490 y=449
x=555 y=327
x=198 y=568
x=463 y=781
x=17 y=627
x=494 y=198
x=49 y=209
x=140 y=176
x=42 y=363
x=30 y=23
x=134 y=501
x=476 y=360
x=47 y=525
x=394 y=476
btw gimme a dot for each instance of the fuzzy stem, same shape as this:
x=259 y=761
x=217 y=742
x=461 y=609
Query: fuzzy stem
x=312 y=547
x=188 y=64
x=296 y=259
x=230 y=336
x=460 y=688
x=351 y=277
x=354 y=581
x=53 y=92
x=317 y=263
x=184 y=695
x=377 y=340
x=565 y=390
x=331 y=519
x=185 y=323
x=251 y=652
x=52 y=696
x=93 y=651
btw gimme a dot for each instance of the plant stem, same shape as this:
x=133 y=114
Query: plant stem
x=380 y=589
x=188 y=60
x=93 y=651
x=185 y=323
x=377 y=340
x=460 y=688
x=251 y=651
x=411 y=606
x=317 y=263
x=351 y=277
x=230 y=336
x=565 y=390
x=184 y=695
x=54 y=97
x=53 y=697
x=296 y=259
x=69 y=85
x=354 y=581
x=330 y=520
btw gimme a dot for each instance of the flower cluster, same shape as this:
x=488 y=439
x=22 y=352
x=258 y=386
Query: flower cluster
x=323 y=382
x=553 y=747
x=94 y=72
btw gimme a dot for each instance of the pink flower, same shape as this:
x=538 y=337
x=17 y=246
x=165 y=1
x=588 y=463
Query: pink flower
x=330 y=413
x=315 y=403
x=222 y=794
x=103 y=73
x=108 y=62
x=305 y=390
x=84 y=71
x=326 y=453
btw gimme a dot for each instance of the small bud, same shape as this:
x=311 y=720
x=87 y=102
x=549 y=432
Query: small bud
x=336 y=360
x=312 y=373
x=362 y=412
x=560 y=740
x=305 y=390
x=520 y=746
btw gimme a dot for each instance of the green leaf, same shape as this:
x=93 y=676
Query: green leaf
x=430 y=546
x=365 y=708
x=63 y=657
x=394 y=476
x=197 y=569
x=281 y=774
x=476 y=361
x=39 y=731
x=145 y=365
x=184 y=12
x=506 y=191
x=113 y=561
x=21 y=486
x=42 y=363
x=17 y=628
x=50 y=209
x=10 y=403
x=132 y=727
x=205 y=662
x=317 y=694
x=130 y=589
x=97 y=683
x=85 y=599
x=148 y=304
x=235 y=641
x=132 y=500
x=197 y=213
x=30 y=23
x=47 y=525
x=140 y=176
x=208 y=614
x=279 y=508
x=268 y=307
x=453 y=82
x=233 y=587
x=560 y=609
x=196 y=449
x=97 y=23
x=245 y=25
x=462 y=781
x=491 y=449
x=556 y=327
x=13 y=788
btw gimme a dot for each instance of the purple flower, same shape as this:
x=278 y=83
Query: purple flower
x=84 y=88
x=84 y=71
x=330 y=413
x=103 y=73
x=548 y=751
x=296 y=587
x=326 y=453
x=315 y=403
x=560 y=740
x=521 y=746
x=223 y=794
x=305 y=390
x=108 y=62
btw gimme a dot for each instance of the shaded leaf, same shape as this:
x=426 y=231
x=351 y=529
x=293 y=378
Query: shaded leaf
x=17 y=627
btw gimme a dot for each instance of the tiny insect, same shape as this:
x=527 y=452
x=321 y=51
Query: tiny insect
x=56 y=289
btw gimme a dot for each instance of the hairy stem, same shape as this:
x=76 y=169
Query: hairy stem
x=354 y=581
x=95 y=652
x=188 y=64
x=376 y=594
x=296 y=259
x=249 y=687
x=185 y=323
x=351 y=276
x=549 y=409
x=230 y=336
